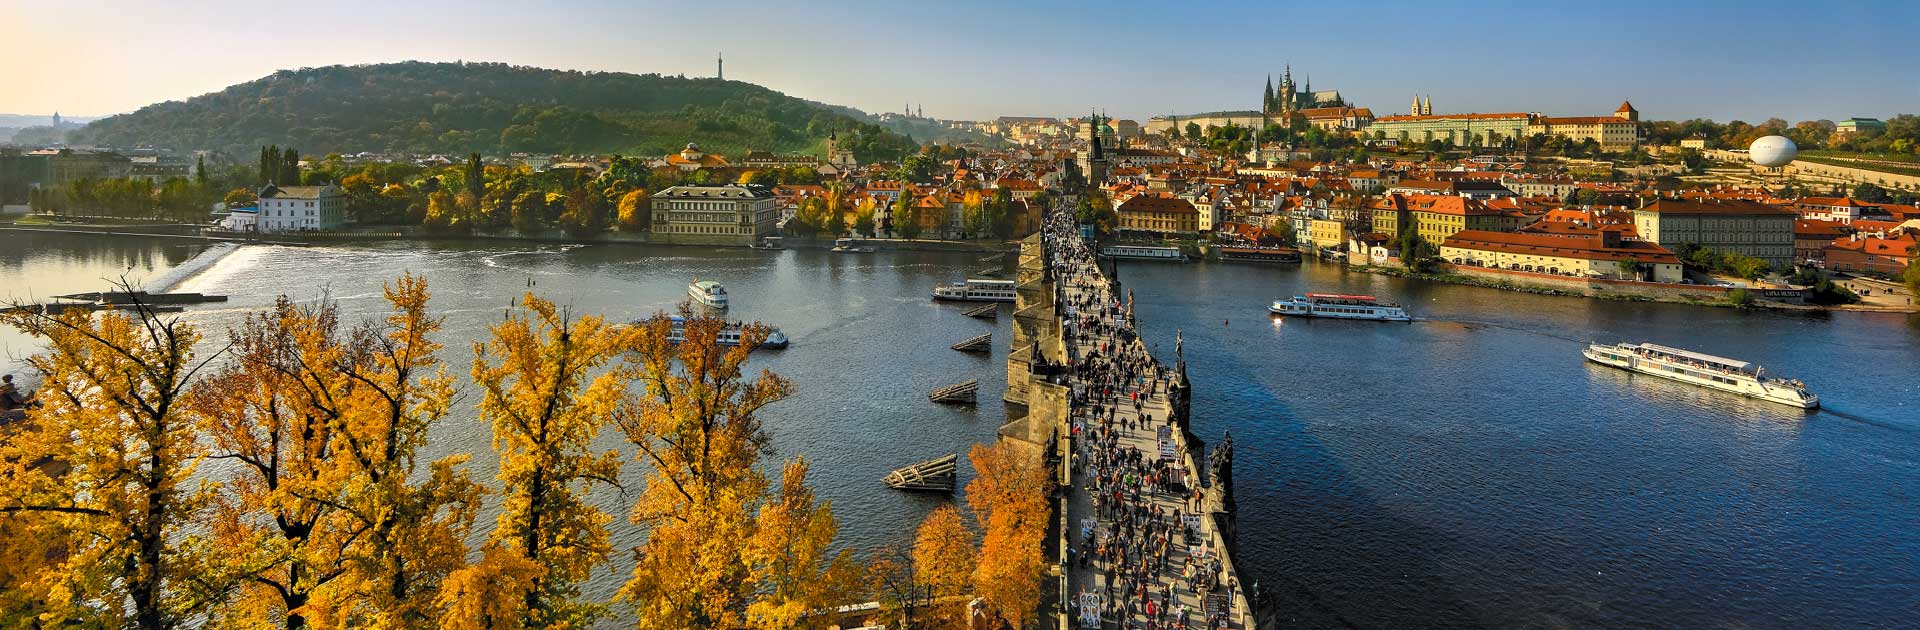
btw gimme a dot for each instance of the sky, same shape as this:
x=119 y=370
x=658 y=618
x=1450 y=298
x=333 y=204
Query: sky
x=1677 y=59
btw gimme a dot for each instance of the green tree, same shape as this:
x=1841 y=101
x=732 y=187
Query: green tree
x=906 y=213
x=586 y=213
x=1632 y=267
x=1871 y=193
x=476 y=176
x=1912 y=273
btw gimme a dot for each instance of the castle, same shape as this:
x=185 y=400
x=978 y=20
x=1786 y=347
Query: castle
x=1286 y=101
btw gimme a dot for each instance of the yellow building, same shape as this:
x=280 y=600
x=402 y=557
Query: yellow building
x=1327 y=233
x=1739 y=226
x=1389 y=213
x=1619 y=132
x=1598 y=254
x=1153 y=212
x=1438 y=217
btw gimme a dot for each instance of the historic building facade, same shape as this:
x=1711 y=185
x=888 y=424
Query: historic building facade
x=734 y=214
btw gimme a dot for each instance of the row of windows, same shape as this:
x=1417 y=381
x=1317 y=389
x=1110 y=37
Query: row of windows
x=708 y=229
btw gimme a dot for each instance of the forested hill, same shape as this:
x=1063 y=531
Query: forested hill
x=457 y=108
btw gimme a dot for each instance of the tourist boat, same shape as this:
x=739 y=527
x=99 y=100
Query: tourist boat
x=1144 y=252
x=1261 y=254
x=847 y=246
x=708 y=293
x=729 y=336
x=771 y=242
x=976 y=290
x=1340 y=307
x=1705 y=370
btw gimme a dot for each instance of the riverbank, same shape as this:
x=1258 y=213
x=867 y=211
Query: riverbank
x=1621 y=290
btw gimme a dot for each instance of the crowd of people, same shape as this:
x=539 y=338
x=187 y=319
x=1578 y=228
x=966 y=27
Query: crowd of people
x=1152 y=566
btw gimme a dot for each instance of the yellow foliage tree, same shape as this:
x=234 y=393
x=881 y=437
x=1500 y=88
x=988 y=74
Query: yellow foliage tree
x=1008 y=497
x=634 y=209
x=275 y=411
x=697 y=423
x=102 y=471
x=944 y=558
x=412 y=526
x=943 y=552
x=546 y=404
x=791 y=567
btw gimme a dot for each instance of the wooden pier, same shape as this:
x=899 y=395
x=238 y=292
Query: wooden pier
x=990 y=311
x=958 y=393
x=981 y=343
x=934 y=475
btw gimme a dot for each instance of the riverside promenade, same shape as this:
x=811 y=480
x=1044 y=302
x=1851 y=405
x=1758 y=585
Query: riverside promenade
x=1143 y=531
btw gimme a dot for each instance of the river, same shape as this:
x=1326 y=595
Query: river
x=1466 y=470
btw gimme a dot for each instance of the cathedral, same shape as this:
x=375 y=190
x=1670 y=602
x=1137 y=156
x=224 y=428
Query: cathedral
x=1287 y=100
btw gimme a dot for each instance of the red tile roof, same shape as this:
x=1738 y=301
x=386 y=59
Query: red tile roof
x=1714 y=206
x=1589 y=246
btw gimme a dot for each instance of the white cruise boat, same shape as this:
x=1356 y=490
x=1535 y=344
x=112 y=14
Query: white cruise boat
x=709 y=293
x=1336 y=306
x=976 y=290
x=1144 y=252
x=729 y=336
x=1705 y=370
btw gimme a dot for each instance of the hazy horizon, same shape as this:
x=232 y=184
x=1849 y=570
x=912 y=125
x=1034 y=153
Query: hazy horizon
x=1718 y=59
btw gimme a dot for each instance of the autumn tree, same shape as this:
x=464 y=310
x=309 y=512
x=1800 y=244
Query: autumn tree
x=944 y=559
x=863 y=216
x=546 y=394
x=976 y=213
x=792 y=570
x=696 y=423
x=276 y=411
x=443 y=213
x=411 y=523
x=635 y=208
x=1008 y=499
x=103 y=471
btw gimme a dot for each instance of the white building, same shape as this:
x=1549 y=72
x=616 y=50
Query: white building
x=297 y=208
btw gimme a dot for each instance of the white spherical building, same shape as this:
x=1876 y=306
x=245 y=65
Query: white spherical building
x=1772 y=151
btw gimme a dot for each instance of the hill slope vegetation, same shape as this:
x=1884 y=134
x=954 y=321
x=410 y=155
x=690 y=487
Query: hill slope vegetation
x=457 y=108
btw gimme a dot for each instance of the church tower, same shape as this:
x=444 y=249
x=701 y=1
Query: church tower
x=1096 y=158
x=1414 y=109
x=1426 y=108
x=1266 y=99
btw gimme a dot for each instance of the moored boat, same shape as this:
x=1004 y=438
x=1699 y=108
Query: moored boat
x=1144 y=252
x=729 y=336
x=708 y=293
x=1261 y=254
x=849 y=246
x=1336 y=306
x=976 y=290
x=1705 y=370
